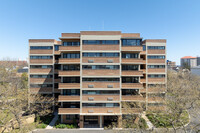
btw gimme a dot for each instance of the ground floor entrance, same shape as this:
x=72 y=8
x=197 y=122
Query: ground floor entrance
x=90 y=121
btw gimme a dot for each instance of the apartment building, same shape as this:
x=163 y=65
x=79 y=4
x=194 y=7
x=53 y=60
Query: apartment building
x=188 y=61
x=92 y=73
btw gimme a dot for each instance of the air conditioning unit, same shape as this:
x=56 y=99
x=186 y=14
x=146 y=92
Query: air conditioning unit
x=110 y=99
x=90 y=86
x=90 y=111
x=90 y=98
x=110 y=61
x=110 y=111
x=110 y=86
x=90 y=61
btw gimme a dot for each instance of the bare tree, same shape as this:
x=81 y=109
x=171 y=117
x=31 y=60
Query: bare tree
x=14 y=97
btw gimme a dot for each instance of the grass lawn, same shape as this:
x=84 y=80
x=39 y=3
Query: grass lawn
x=161 y=120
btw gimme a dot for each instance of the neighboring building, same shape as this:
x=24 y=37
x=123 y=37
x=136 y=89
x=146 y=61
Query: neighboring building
x=93 y=72
x=195 y=70
x=198 y=61
x=188 y=61
x=171 y=65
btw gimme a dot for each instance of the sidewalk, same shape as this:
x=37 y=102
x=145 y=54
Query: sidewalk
x=53 y=122
x=150 y=125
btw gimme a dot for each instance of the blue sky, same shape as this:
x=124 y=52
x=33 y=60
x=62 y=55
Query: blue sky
x=178 y=21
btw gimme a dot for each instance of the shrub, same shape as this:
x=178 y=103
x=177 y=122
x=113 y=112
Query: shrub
x=61 y=126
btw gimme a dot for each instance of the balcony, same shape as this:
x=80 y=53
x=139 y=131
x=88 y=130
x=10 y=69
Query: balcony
x=132 y=111
x=56 y=90
x=68 y=110
x=56 y=52
x=143 y=80
x=63 y=98
x=99 y=110
x=69 y=73
x=157 y=108
x=41 y=90
x=132 y=73
x=100 y=97
x=132 y=61
x=143 y=53
x=100 y=85
x=156 y=90
x=57 y=80
x=156 y=61
x=156 y=80
x=69 y=61
x=41 y=80
x=69 y=85
x=100 y=47
x=41 y=51
x=133 y=98
x=155 y=99
x=41 y=61
x=100 y=59
x=132 y=48
x=156 y=51
x=69 y=48
x=158 y=70
x=43 y=71
x=100 y=72
x=132 y=85
x=143 y=70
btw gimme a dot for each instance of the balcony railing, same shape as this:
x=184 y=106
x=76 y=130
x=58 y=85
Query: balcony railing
x=132 y=85
x=69 y=85
x=100 y=97
x=69 y=73
x=63 y=98
x=132 y=61
x=131 y=73
x=69 y=48
x=68 y=110
x=69 y=60
x=100 y=72
x=132 y=48
x=96 y=110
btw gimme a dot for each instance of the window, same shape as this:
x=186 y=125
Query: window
x=156 y=76
x=71 y=92
x=71 y=67
x=41 y=57
x=93 y=67
x=144 y=47
x=156 y=66
x=131 y=42
x=71 y=79
x=56 y=47
x=130 y=91
x=71 y=55
x=100 y=54
x=130 y=80
x=156 y=57
x=100 y=80
x=41 y=47
x=130 y=67
x=40 y=85
x=156 y=47
x=40 y=66
x=101 y=92
x=104 y=42
x=41 y=76
x=71 y=43
x=128 y=55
